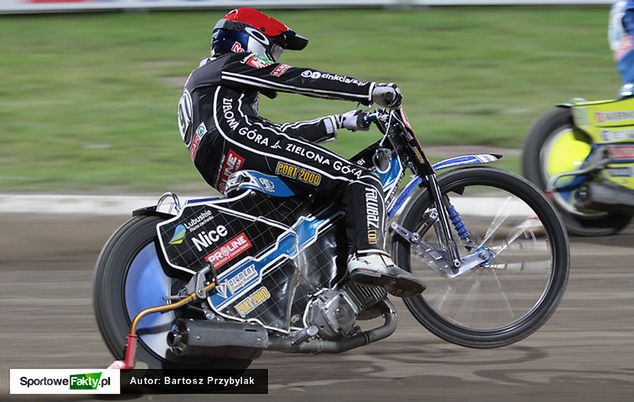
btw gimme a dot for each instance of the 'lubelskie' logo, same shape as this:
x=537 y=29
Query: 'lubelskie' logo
x=179 y=235
x=88 y=381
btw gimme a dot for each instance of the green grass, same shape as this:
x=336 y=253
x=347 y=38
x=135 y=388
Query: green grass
x=88 y=102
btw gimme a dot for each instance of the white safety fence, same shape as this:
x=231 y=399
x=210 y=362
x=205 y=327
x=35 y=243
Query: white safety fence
x=104 y=205
x=37 y=6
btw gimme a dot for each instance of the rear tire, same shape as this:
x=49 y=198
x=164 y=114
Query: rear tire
x=109 y=297
x=546 y=128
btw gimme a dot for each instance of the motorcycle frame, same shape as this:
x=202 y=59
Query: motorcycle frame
x=409 y=153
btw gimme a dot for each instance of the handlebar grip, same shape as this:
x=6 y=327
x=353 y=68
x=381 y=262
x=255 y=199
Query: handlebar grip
x=369 y=118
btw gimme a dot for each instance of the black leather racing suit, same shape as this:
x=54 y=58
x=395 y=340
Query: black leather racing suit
x=219 y=122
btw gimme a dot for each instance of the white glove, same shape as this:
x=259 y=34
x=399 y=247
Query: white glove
x=353 y=121
x=387 y=95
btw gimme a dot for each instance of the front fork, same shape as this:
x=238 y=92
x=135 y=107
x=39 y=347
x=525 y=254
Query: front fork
x=446 y=261
x=444 y=233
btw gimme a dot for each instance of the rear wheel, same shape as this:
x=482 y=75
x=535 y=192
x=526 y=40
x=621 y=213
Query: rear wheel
x=515 y=291
x=553 y=147
x=131 y=276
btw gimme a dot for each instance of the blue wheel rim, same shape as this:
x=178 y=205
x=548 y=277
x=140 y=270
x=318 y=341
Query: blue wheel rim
x=146 y=285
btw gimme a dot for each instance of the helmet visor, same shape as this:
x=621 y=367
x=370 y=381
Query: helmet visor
x=293 y=41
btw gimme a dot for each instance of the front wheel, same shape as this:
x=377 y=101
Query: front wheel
x=517 y=289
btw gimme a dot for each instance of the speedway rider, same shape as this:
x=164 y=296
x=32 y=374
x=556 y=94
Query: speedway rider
x=221 y=127
x=620 y=31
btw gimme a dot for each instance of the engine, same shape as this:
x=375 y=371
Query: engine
x=335 y=311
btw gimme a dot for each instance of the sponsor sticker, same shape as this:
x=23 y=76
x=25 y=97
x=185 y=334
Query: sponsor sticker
x=373 y=237
x=229 y=250
x=256 y=61
x=254 y=136
x=201 y=130
x=614 y=117
x=279 y=70
x=179 y=235
x=193 y=147
x=193 y=224
x=286 y=170
x=233 y=163
x=267 y=184
x=315 y=75
x=234 y=284
x=621 y=152
x=221 y=290
x=206 y=239
x=237 y=282
x=622 y=172
x=297 y=173
x=372 y=214
x=309 y=177
x=237 y=47
x=252 y=301
x=320 y=158
x=228 y=113
x=199 y=220
x=617 y=135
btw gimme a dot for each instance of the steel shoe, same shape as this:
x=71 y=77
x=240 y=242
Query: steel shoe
x=379 y=270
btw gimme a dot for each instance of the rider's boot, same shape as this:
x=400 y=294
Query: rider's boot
x=626 y=91
x=378 y=269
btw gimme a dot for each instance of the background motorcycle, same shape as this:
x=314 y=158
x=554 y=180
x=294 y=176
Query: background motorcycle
x=489 y=246
x=582 y=155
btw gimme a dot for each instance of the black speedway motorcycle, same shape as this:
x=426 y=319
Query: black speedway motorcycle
x=214 y=282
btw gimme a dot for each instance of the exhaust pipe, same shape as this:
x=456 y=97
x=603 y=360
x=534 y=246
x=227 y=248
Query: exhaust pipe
x=210 y=338
x=607 y=197
x=241 y=340
x=341 y=345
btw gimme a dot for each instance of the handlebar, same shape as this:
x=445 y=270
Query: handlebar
x=386 y=119
x=393 y=124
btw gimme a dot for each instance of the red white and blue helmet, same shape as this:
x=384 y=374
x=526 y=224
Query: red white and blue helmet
x=249 y=30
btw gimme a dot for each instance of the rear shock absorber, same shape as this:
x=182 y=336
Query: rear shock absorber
x=462 y=230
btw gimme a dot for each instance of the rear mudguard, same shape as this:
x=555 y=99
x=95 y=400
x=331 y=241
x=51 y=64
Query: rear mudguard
x=151 y=211
x=457 y=161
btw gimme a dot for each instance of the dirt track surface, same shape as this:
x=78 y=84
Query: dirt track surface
x=584 y=353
